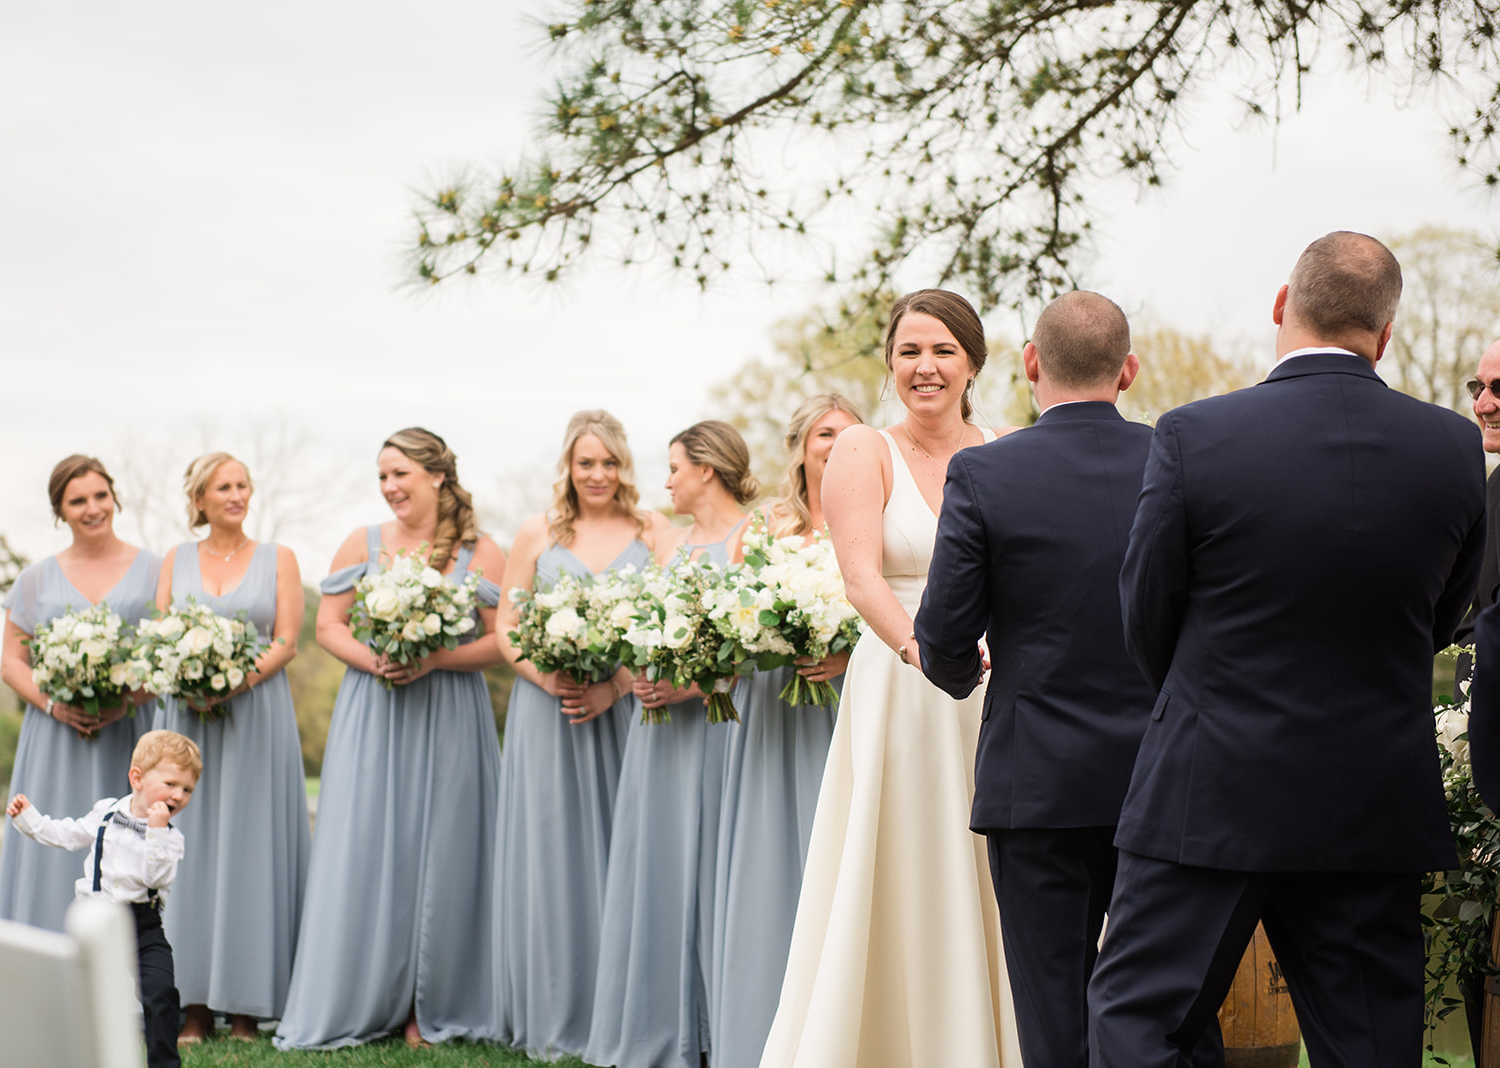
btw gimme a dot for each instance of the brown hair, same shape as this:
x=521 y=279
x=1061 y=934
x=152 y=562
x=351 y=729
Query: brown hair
x=792 y=505
x=72 y=467
x=718 y=445
x=196 y=478
x=456 y=523
x=611 y=435
x=962 y=321
x=1082 y=339
x=1345 y=282
x=156 y=746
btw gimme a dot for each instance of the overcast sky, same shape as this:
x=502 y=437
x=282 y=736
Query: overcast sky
x=203 y=209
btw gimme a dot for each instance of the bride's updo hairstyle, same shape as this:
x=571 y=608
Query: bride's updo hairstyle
x=962 y=321
x=791 y=506
x=455 y=519
x=716 y=444
x=69 y=468
x=196 y=478
x=611 y=435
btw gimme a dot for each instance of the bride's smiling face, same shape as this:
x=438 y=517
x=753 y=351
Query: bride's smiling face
x=929 y=366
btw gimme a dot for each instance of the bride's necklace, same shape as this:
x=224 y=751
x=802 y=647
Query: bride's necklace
x=230 y=553
x=918 y=447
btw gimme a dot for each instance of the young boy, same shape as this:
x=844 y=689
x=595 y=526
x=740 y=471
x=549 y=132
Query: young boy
x=133 y=852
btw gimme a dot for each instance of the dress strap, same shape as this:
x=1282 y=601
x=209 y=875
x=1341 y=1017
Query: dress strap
x=461 y=561
x=372 y=542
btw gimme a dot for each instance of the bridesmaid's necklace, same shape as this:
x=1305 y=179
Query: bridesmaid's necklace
x=237 y=548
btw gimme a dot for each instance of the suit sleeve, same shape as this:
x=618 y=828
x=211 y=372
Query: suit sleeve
x=1154 y=577
x=955 y=604
x=1459 y=593
x=1484 y=707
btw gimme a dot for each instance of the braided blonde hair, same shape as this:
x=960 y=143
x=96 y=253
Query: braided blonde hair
x=456 y=523
x=611 y=435
x=718 y=445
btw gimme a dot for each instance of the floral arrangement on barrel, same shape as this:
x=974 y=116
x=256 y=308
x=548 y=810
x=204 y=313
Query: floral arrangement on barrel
x=85 y=659
x=406 y=611
x=198 y=656
x=1459 y=906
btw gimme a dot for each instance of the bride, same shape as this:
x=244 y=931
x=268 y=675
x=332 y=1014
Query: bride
x=896 y=957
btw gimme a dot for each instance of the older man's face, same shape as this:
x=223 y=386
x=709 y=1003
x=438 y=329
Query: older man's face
x=1487 y=405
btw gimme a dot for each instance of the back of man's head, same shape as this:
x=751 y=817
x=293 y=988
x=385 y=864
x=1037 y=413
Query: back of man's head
x=1344 y=283
x=1082 y=340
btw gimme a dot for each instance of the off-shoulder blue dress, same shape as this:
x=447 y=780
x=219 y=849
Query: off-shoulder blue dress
x=651 y=996
x=237 y=899
x=400 y=890
x=59 y=772
x=557 y=801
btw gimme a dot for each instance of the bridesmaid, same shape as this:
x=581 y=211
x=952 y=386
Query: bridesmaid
x=561 y=763
x=650 y=1001
x=65 y=758
x=238 y=894
x=396 y=927
x=773 y=770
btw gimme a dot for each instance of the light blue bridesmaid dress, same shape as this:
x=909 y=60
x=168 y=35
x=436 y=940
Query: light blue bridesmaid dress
x=237 y=900
x=400 y=891
x=773 y=770
x=651 y=996
x=59 y=772
x=557 y=800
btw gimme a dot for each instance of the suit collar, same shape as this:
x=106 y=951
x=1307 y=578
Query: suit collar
x=1324 y=363
x=1080 y=411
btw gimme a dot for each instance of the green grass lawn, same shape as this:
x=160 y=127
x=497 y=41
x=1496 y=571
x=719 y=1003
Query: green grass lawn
x=390 y=1053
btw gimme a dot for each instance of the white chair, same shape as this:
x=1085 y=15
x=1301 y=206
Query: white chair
x=68 y=1000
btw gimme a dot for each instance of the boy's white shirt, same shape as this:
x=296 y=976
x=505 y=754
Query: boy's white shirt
x=133 y=865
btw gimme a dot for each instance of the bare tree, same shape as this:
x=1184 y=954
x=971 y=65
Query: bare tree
x=1449 y=314
x=1177 y=368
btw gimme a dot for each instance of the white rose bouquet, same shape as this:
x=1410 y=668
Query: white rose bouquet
x=671 y=638
x=787 y=601
x=575 y=625
x=196 y=655
x=407 y=611
x=85 y=659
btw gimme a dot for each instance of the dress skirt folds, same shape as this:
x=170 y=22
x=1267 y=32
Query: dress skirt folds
x=400 y=890
x=772 y=772
x=557 y=801
x=237 y=900
x=59 y=772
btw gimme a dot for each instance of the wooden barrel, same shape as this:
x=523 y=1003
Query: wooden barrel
x=1260 y=1028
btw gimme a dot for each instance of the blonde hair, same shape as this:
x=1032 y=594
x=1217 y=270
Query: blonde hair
x=76 y=466
x=196 y=478
x=718 y=445
x=792 y=506
x=156 y=746
x=456 y=523
x=611 y=435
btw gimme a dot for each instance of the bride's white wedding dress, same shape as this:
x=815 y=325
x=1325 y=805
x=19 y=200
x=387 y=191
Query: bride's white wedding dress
x=896 y=957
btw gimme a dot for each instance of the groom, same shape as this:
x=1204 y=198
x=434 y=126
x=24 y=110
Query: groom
x=1029 y=547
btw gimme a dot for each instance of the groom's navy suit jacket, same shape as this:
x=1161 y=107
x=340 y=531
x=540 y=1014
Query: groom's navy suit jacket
x=1033 y=529
x=1301 y=549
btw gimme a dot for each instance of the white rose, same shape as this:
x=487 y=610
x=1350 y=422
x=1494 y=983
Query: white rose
x=195 y=642
x=430 y=577
x=121 y=675
x=413 y=631
x=95 y=648
x=192 y=669
x=169 y=627
x=677 y=631
x=382 y=603
x=218 y=682
x=433 y=624
x=236 y=676
x=463 y=626
x=1450 y=724
x=565 y=623
x=83 y=631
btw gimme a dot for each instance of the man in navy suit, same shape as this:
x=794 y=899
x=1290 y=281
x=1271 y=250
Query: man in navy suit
x=1029 y=546
x=1300 y=551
